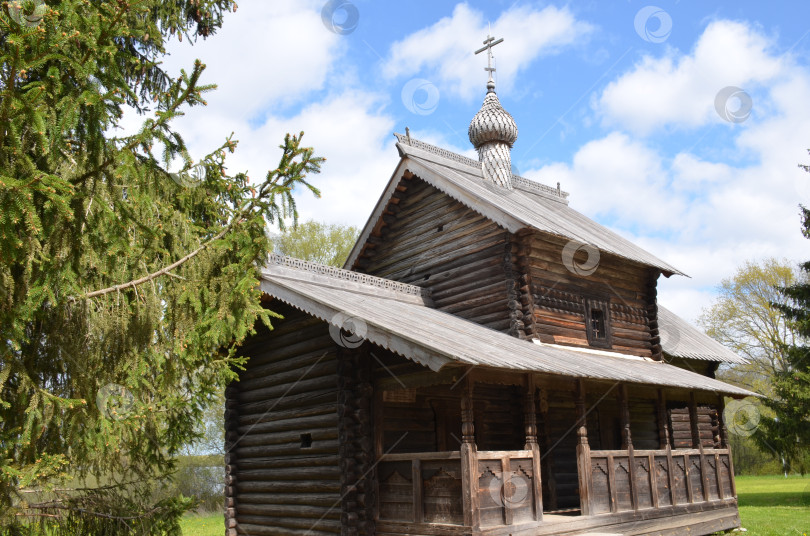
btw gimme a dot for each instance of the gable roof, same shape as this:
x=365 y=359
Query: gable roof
x=530 y=205
x=681 y=339
x=398 y=317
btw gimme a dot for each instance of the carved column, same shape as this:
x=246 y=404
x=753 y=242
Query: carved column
x=530 y=423
x=583 y=452
x=627 y=442
x=469 y=457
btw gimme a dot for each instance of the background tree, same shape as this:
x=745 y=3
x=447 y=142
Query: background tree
x=319 y=242
x=124 y=289
x=745 y=318
x=788 y=432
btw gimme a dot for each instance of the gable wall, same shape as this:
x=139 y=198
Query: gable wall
x=433 y=241
x=554 y=296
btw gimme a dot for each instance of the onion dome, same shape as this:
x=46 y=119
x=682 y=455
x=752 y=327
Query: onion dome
x=492 y=123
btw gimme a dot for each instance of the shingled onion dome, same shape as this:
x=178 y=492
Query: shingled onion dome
x=493 y=132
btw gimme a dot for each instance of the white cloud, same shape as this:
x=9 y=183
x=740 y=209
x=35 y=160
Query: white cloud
x=680 y=90
x=258 y=58
x=444 y=51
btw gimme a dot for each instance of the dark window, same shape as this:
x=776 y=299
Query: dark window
x=597 y=323
x=306 y=441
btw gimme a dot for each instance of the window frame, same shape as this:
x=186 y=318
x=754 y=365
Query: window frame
x=603 y=306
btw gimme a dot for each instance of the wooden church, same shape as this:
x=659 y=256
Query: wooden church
x=489 y=362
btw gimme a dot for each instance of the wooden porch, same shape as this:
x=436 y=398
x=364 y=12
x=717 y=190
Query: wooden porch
x=500 y=492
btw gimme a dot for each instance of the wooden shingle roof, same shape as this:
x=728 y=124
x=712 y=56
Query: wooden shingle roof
x=680 y=339
x=529 y=205
x=401 y=320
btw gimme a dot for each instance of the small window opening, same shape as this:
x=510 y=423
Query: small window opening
x=306 y=441
x=598 y=324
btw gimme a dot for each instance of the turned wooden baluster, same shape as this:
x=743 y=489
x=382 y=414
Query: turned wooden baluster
x=469 y=457
x=627 y=443
x=530 y=421
x=583 y=452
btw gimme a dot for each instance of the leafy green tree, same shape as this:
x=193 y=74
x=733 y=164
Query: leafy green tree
x=319 y=242
x=788 y=432
x=124 y=289
x=745 y=317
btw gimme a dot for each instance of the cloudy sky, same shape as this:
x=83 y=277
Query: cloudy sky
x=679 y=125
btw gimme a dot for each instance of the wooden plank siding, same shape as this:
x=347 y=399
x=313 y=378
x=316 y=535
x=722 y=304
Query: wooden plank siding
x=282 y=445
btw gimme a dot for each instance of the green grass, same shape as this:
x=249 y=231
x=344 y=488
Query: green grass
x=769 y=506
x=774 y=505
x=203 y=525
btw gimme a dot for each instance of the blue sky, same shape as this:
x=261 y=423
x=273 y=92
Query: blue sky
x=617 y=100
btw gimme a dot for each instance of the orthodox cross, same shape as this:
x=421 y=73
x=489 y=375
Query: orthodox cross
x=488 y=44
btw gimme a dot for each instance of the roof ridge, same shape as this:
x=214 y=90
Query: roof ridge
x=347 y=275
x=521 y=183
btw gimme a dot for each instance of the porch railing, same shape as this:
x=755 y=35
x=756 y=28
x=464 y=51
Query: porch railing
x=427 y=487
x=622 y=480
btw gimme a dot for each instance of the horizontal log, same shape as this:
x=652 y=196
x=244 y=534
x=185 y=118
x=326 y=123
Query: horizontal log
x=273 y=526
x=294 y=387
x=291 y=474
x=311 y=512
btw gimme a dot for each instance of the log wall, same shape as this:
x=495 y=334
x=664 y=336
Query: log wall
x=426 y=238
x=555 y=298
x=282 y=445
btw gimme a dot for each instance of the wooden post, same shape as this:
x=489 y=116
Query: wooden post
x=583 y=452
x=663 y=429
x=416 y=481
x=530 y=423
x=469 y=458
x=548 y=458
x=697 y=443
x=627 y=443
x=506 y=475
x=721 y=406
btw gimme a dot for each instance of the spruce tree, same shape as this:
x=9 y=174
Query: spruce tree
x=124 y=289
x=787 y=434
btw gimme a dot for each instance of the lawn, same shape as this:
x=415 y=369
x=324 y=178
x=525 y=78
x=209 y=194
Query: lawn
x=774 y=505
x=203 y=525
x=769 y=506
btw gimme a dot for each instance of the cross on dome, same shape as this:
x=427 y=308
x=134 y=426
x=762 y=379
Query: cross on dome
x=488 y=44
